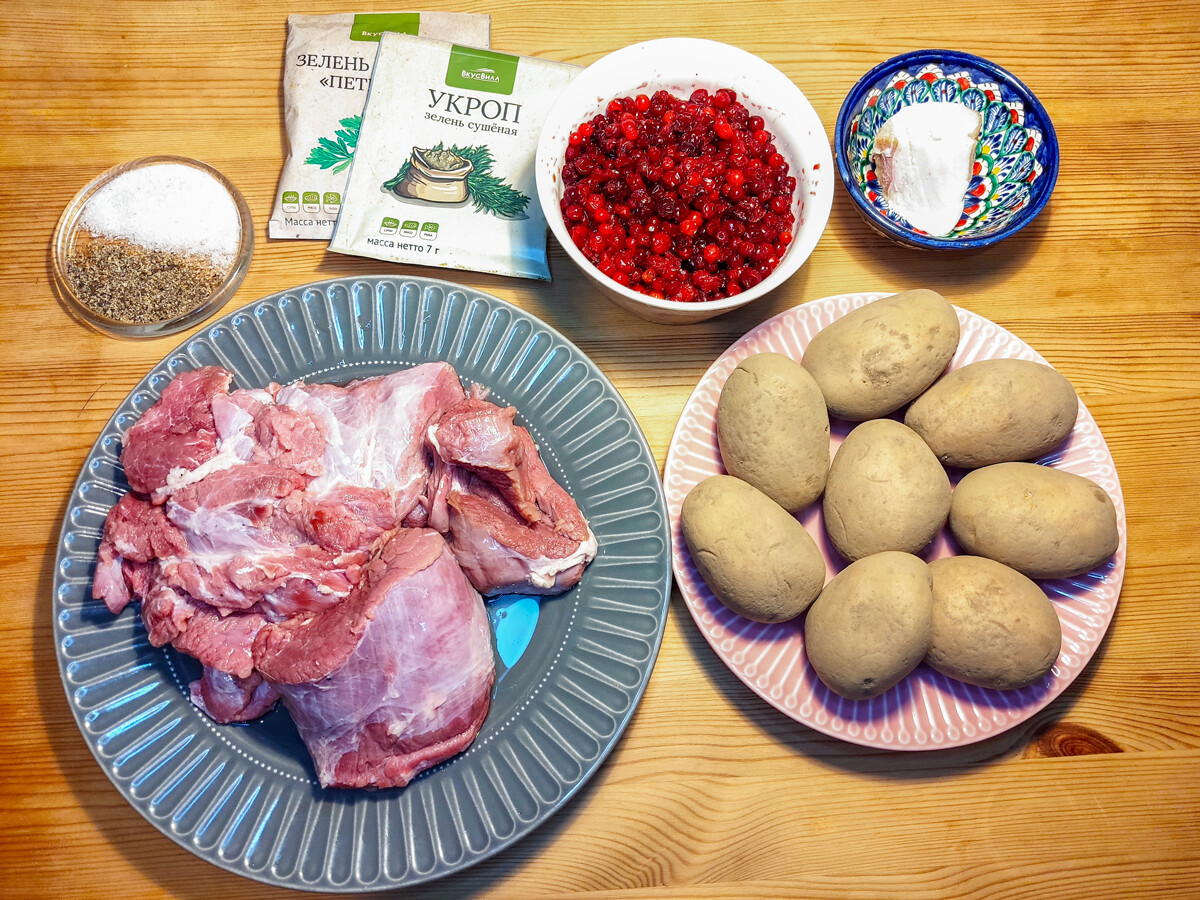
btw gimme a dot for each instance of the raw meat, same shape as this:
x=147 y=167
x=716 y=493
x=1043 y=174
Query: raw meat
x=227 y=698
x=279 y=535
x=504 y=554
x=396 y=678
x=513 y=527
x=177 y=432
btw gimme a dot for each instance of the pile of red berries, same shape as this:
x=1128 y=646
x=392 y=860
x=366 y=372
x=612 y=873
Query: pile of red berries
x=686 y=200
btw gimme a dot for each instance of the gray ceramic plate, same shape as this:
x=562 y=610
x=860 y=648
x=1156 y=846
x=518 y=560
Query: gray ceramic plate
x=570 y=669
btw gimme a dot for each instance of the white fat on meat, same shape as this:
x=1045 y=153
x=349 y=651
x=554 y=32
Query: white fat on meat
x=375 y=430
x=924 y=157
x=544 y=571
x=235 y=443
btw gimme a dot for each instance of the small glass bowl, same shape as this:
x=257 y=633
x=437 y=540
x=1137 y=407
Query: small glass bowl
x=67 y=231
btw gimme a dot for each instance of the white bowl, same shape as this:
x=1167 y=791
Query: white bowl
x=681 y=65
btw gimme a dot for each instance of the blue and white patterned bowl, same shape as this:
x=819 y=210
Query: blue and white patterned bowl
x=1016 y=157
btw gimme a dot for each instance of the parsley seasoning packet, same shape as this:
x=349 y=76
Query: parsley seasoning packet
x=443 y=174
x=326 y=71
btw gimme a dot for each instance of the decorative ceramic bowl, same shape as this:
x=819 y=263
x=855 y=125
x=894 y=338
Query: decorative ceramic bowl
x=682 y=65
x=1016 y=156
x=221 y=254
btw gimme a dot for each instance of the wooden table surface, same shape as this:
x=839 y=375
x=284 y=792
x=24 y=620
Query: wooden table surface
x=710 y=792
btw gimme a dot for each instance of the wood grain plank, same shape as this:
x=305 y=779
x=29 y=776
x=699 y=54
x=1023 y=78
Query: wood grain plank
x=711 y=793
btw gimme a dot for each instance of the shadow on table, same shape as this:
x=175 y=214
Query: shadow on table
x=1036 y=736
x=893 y=267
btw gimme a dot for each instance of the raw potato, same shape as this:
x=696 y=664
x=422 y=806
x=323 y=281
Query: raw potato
x=886 y=491
x=995 y=410
x=871 y=625
x=992 y=626
x=773 y=429
x=754 y=557
x=875 y=359
x=1043 y=522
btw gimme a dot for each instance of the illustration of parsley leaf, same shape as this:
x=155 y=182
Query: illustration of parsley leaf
x=336 y=154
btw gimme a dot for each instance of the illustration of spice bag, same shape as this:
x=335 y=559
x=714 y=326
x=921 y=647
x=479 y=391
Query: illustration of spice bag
x=454 y=174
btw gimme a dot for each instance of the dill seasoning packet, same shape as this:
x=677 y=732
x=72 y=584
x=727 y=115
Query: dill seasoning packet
x=326 y=71
x=443 y=174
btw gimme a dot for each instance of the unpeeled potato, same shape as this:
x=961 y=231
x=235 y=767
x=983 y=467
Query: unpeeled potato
x=753 y=555
x=773 y=429
x=871 y=625
x=995 y=410
x=886 y=491
x=992 y=626
x=1043 y=522
x=876 y=358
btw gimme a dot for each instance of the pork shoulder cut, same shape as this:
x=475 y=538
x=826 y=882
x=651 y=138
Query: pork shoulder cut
x=328 y=545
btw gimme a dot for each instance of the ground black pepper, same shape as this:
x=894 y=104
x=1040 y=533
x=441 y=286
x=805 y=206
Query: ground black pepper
x=130 y=283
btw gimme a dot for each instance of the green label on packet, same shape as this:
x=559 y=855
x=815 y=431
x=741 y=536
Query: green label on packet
x=481 y=70
x=369 y=26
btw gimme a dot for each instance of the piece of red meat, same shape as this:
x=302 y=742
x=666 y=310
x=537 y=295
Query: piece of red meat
x=485 y=439
x=224 y=642
x=225 y=698
x=512 y=527
x=251 y=541
x=137 y=531
x=176 y=432
x=394 y=679
x=348 y=517
x=501 y=553
x=292 y=492
x=375 y=429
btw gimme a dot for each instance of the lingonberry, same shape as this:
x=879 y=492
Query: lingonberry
x=684 y=199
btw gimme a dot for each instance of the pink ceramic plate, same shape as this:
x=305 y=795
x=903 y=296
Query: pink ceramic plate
x=927 y=710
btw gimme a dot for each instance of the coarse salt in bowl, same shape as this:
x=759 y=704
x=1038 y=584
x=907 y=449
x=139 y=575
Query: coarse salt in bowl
x=152 y=247
x=681 y=66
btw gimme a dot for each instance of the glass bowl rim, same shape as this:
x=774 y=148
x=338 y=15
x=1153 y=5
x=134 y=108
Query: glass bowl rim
x=64 y=232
